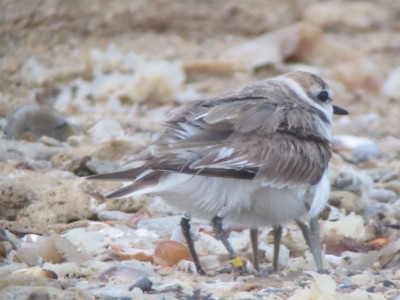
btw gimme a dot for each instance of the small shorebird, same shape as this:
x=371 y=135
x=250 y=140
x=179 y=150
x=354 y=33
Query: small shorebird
x=257 y=157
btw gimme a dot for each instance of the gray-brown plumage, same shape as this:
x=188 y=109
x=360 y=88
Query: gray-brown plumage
x=256 y=157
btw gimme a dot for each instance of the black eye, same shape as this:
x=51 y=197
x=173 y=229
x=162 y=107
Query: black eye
x=323 y=96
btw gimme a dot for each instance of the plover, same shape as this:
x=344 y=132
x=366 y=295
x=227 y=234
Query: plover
x=256 y=157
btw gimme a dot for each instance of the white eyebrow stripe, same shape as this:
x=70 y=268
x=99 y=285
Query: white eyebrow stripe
x=295 y=87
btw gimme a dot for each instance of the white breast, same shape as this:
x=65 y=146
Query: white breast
x=247 y=203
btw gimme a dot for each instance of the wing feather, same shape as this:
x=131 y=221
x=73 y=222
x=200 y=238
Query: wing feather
x=278 y=142
x=254 y=137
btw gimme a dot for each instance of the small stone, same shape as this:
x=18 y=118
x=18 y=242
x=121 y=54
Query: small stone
x=33 y=121
x=359 y=15
x=111 y=292
x=97 y=166
x=361 y=148
x=39 y=295
x=346 y=200
x=350 y=179
x=377 y=174
x=113 y=215
x=105 y=130
x=162 y=226
x=143 y=283
x=169 y=253
x=382 y=195
x=244 y=295
x=176 y=285
x=363 y=279
x=350 y=225
x=371 y=289
x=54 y=249
x=392 y=84
x=393 y=186
x=124 y=273
x=388 y=283
x=5 y=248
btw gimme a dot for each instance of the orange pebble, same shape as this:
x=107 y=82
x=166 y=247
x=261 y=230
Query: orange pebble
x=379 y=242
x=128 y=254
x=169 y=253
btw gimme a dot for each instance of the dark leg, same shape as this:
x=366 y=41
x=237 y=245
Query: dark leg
x=185 y=227
x=311 y=235
x=236 y=261
x=254 y=246
x=277 y=244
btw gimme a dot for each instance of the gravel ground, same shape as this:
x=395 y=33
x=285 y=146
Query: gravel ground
x=85 y=85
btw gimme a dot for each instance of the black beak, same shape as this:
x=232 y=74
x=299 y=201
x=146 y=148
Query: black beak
x=339 y=111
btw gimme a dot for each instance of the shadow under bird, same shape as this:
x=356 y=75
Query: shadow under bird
x=256 y=157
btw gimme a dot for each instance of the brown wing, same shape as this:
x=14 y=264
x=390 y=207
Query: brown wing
x=275 y=143
x=242 y=136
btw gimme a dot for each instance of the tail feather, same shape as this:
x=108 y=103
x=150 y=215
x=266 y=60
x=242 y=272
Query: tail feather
x=146 y=181
x=127 y=175
x=129 y=189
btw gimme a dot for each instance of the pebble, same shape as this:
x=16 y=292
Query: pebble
x=351 y=180
x=114 y=291
x=175 y=285
x=346 y=200
x=393 y=185
x=5 y=248
x=54 y=249
x=351 y=226
x=361 y=148
x=244 y=295
x=33 y=121
x=388 y=283
x=363 y=279
x=107 y=215
x=22 y=151
x=162 y=226
x=391 y=85
x=377 y=174
x=105 y=130
x=169 y=253
x=97 y=166
x=143 y=283
x=125 y=272
x=350 y=16
x=382 y=195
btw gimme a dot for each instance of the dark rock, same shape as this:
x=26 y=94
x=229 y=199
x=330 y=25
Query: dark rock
x=143 y=283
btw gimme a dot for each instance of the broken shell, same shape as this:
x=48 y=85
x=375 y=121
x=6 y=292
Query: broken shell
x=36 y=272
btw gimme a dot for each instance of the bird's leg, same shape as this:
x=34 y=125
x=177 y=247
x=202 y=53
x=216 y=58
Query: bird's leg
x=254 y=246
x=277 y=230
x=185 y=227
x=236 y=261
x=311 y=235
